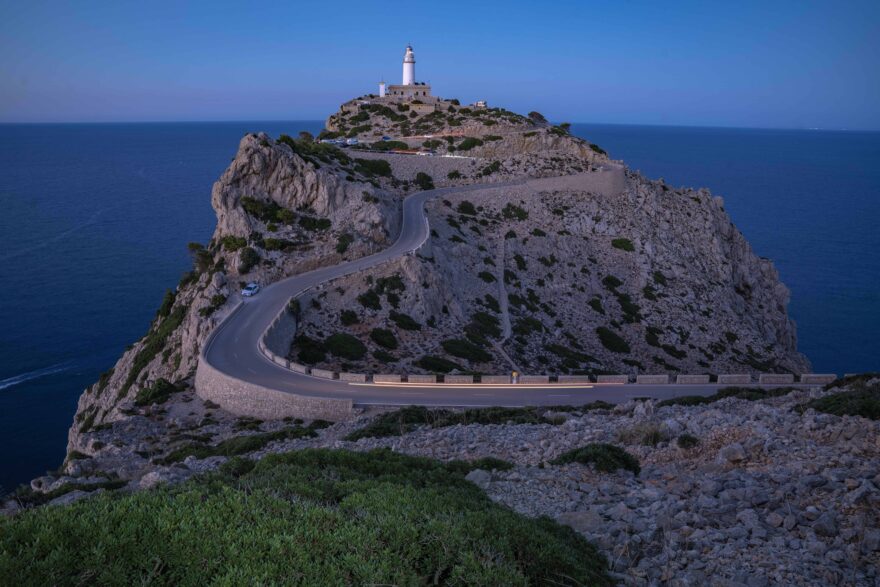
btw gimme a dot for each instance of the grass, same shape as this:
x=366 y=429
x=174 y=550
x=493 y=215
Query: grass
x=407 y=419
x=864 y=402
x=313 y=517
x=604 y=457
x=747 y=393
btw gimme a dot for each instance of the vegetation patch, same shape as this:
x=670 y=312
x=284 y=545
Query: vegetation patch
x=407 y=419
x=863 y=402
x=384 y=337
x=237 y=445
x=612 y=341
x=604 y=457
x=624 y=244
x=437 y=364
x=745 y=393
x=514 y=212
x=376 y=518
x=346 y=346
x=404 y=321
x=459 y=347
x=372 y=167
x=158 y=393
x=153 y=344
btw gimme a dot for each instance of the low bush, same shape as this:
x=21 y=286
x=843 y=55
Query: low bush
x=424 y=181
x=344 y=242
x=236 y=445
x=384 y=337
x=158 y=393
x=612 y=341
x=863 y=402
x=370 y=299
x=745 y=393
x=486 y=276
x=686 y=441
x=468 y=144
x=624 y=244
x=407 y=419
x=454 y=175
x=233 y=243
x=371 y=167
x=313 y=224
x=459 y=347
x=437 y=364
x=247 y=260
x=514 y=212
x=404 y=321
x=376 y=518
x=346 y=346
x=308 y=350
x=604 y=457
x=467 y=208
x=348 y=317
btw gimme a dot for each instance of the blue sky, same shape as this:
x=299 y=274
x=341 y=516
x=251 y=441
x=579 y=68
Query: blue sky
x=778 y=63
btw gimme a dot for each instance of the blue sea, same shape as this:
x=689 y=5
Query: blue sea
x=94 y=222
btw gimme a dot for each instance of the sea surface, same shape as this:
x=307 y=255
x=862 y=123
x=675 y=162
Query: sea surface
x=94 y=222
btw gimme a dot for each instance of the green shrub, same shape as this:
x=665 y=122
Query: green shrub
x=384 y=337
x=424 y=181
x=389 y=146
x=465 y=349
x=659 y=278
x=863 y=402
x=346 y=346
x=233 y=243
x=404 y=321
x=644 y=433
x=153 y=344
x=624 y=244
x=466 y=207
x=598 y=149
x=744 y=393
x=486 y=276
x=612 y=341
x=428 y=521
x=348 y=317
x=454 y=175
x=686 y=441
x=167 y=303
x=611 y=282
x=514 y=212
x=248 y=258
x=158 y=393
x=309 y=351
x=604 y=457
x=437 y=364
x=344 y=242
x=491 y=168
x=370 y=299
x=313 y=224
x=596 y=304
x=371 y=167
x=236 y=445
x=468 y=144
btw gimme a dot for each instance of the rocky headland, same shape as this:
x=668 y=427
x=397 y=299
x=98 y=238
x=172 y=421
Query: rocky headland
x=566 y=262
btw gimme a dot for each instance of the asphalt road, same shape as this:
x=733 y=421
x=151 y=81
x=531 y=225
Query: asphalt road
x=233 y=346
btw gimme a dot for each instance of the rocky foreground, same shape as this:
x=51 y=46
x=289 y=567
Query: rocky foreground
x=732 y=492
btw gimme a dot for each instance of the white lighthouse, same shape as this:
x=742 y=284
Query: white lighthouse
x=409 y=67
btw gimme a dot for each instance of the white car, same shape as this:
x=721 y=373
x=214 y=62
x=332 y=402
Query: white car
x=250 y=289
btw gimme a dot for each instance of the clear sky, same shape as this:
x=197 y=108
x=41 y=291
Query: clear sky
x=772 y=63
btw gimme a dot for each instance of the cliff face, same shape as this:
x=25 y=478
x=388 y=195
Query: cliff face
x=288 y=212
x=596 y=272
x=584 y=268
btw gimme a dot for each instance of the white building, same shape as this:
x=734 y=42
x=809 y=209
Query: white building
x=409 y=88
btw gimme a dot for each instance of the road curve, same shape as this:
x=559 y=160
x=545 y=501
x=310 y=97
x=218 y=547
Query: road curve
x=233 y=347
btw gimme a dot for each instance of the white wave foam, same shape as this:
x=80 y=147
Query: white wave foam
x=22 y=377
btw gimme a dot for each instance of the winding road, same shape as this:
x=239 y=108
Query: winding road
x=233 y=347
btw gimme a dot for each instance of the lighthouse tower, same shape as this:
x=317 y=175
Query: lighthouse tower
x=409 y=67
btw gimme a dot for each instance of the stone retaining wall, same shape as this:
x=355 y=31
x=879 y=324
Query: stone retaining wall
x=323 y=374
x=735 y=379
x=534 y=379
x=421 y=378
x=495 y=379
x=652 y=379
x=820 y=378
x=691 y=379
x=775 y=378
x=353 y=377
x=612 y=379
x=574 y=379
x=386 y=378
x=458 y=378
x=255 y=401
